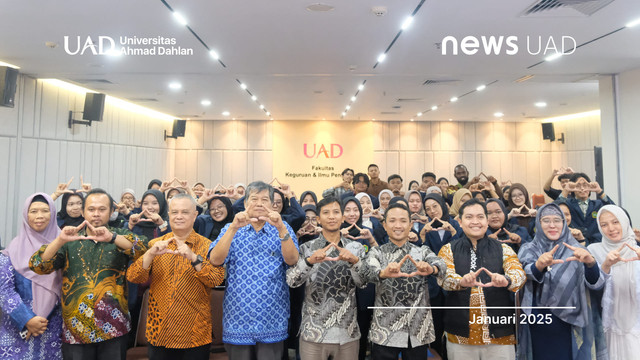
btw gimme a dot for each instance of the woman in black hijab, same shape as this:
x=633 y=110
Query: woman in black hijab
x=152 y=222
x=514 y=234
x=154 y=182
x=70 y=213
x=218 y=215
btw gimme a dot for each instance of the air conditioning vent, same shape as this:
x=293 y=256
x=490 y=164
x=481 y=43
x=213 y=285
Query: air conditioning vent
x=410 y=100
x=563 y=8
x=92 y=81
x=143 y=99
x=438 y=82
x=389 y=112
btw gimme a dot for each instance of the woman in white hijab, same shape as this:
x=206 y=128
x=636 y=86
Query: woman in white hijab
x=617 y=253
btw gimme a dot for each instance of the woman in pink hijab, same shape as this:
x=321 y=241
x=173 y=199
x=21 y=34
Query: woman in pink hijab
x=30 y=311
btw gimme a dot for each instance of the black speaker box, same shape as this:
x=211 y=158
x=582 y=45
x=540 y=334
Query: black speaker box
x=8 y=84
x=93 y=106
x=179 y=126
x=547 y=132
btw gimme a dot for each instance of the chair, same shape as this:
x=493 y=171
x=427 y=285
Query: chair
x=537 y=200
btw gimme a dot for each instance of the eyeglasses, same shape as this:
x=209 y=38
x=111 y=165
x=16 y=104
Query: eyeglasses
x=218 y=208
x=277 y=203
x=554 y=221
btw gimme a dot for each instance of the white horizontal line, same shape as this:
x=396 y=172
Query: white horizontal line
x=471 y=307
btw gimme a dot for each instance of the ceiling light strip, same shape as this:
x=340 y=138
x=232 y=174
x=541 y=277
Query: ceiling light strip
x=413 y=14
x=457 y=98
x=244 y=87
x=353 y=99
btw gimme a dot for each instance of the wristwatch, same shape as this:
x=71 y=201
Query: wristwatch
x=285 y=238
x=113 y=238
x=198 y=261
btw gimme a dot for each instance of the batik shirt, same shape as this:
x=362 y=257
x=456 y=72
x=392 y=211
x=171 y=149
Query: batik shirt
x=394 y=327
x=329 y=313
x=256 y=302
x=94 y=302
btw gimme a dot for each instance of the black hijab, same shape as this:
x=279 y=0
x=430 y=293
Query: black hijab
x=64 y=216
x=148 y=227
x=443 y=205
x=218 y=225
x=309 y=192
x=154 y=181
x=396 y=199
x=353 y=231
x=511 y=227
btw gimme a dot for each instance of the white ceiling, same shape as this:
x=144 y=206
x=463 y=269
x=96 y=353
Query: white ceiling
x=297 y=62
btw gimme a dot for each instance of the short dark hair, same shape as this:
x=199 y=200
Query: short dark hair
x=394 y=176
x=472 y=202
x=347 y=170
x=99 y=191
x=258 y=187
x=326 y=201
x=442 y=178
x=461 y=166
x=357 y=176
x=372 y=165
x=429 y=174
x=199 y=183
x=576 y=176
x=396 y=205
x=564 y=176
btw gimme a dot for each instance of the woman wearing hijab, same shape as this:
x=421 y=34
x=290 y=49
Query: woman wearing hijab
x=579 y=233
x=518 y=203
x=621 y=298
x=219 y=214
x=152 y=221
x=154 y=184
x=501 y=229
x=308 y=198
x=289 y=209
x=460 y=197
x=414 y=199
x=559 y=271
x=71 y=211
x=30 y=311
x=414 y=185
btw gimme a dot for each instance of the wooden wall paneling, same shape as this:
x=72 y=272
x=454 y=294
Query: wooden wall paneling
x=413 y=165
x=500 y=136
x=533 y=178
x=528 y=136
x=423 y=136
x=43 y=183
x=208 y=137
x=257 y=169
x=449 y=140
x=469 y=143
x=428 y=164
x=485 y=137
x=72 y=163
x=436 y=144
x=471 y=160
x=268 y=135
x=191 y=160
x=379 y=158
x=8 y=204
x=506 y=167
x=256 y=134
x=408 y=138
x=235 y=166
x=545 y=169
x=491 y=164
x=519 y=168
x=242 y=138
x=47 y=118
x=394 y=136
x=27 y=106
x=441 y=164
x=181 y=164
x=28 y=170
x=391 y=163
x=224 y=135
x=203 y=170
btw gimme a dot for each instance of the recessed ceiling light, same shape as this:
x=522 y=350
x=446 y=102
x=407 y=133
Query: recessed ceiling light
x=324 y=119
x=175 y=86
x=268 y=113
x=381 y=57
x=553 y=57
x=320 y=7
x=541 y=104
x=254 y=98
x=498 y=114
x=243 y=86
x=344 y=113
x=434 y=107
x=226 y=113
x=261 y=106
x=360 y=87
x=180 y=18
x=214 y=54
x=233 y=118
x=205 y=102
x=353 y=98
x=411 y=119
x=373 y=119
x=633 y=23
x=454 y=99
x=407 y=22
x=348 y=107
x=450 y=119
x=419 y=114
x=481 y=87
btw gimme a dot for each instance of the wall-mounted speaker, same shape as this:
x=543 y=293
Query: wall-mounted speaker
x=547 y=132
x=179 y=127
x=8 y=85
x=93 y=106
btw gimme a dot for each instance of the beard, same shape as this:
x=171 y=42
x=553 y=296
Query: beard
x=463 y=180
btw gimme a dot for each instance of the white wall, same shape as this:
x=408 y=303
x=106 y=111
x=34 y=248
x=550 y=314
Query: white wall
x=39 y=150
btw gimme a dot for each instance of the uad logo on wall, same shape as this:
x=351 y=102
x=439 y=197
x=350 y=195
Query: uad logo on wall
x=331 y=151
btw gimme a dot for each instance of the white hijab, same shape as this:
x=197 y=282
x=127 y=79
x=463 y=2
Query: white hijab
x=625 y=303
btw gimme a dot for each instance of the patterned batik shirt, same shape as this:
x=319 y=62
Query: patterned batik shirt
x=94 y=286
x=479 y=333
x=256 y=302
x=329 y=313
x=394 y=327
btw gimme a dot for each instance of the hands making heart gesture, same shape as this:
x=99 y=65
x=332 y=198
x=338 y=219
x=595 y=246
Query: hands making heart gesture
x=470 y=279
x=148 y=217
x=364 y=234
x=100 y=234
x=63 y=188
x=320 y=255
x=614 y=257
x=505 y=236
x=162 y=247
x=393 y=269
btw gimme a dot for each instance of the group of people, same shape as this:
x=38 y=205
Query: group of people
x=470 y=270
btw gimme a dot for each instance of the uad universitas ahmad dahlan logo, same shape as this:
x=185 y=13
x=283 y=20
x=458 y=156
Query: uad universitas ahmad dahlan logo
x=330 y=151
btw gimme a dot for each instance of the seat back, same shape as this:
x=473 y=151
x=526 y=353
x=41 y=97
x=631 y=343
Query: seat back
x=537 y=200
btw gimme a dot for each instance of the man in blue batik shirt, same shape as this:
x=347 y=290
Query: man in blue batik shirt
x=257 y=248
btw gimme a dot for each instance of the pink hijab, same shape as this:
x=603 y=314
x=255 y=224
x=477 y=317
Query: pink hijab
x=45 y=288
